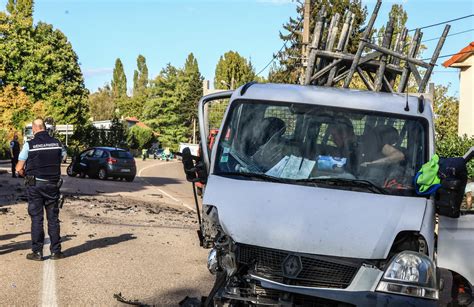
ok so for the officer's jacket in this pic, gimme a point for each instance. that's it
(44, 157)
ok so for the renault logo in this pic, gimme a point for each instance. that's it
(292, 266)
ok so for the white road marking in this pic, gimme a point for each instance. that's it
(48, 295)
(160, 190)
(153, 165)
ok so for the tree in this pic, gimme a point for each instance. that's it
(119, 81)
(232, 71)
(15, 109)
(130, 106)
(190, 91)
(101, 104)
(139, 137)
(289, 59)
(42, 60)
(162, 110)
(140, 77)
(117, 133)
(446, 109)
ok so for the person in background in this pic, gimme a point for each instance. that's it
(469, 193)
(14, 153)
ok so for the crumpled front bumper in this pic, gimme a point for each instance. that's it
(361, 292)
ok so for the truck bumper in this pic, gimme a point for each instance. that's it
(361, 292)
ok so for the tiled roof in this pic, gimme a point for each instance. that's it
(461, 55)
(132, 119)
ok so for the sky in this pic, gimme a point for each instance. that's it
(166, 31)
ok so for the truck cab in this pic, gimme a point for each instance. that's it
(310, 199)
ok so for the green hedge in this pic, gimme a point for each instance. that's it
(455, 146)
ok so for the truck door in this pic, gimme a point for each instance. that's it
(456, 238)
(456, 244)
(211, 113)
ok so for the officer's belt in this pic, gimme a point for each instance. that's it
(44, 181)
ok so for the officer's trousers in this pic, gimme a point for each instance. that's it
(44, 197)
(14, 161)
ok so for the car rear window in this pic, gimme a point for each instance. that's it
(120, 154)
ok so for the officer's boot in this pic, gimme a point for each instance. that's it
(37, 256)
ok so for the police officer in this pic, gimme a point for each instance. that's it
(40, 163)
(14, 152)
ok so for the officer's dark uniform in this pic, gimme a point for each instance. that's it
(15, 146)
(44, 163)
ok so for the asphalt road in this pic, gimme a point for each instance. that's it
(138, 239)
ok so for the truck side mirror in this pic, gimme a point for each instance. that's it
(453, 174)
(194, 168)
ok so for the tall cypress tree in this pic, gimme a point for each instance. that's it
(232, 71)
(119, 81)
(190, 88)
(140, 77)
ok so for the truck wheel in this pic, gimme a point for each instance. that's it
(102, 174)
(129, 179)
(70, 172)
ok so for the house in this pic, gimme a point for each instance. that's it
(132, 121)
(464, 60)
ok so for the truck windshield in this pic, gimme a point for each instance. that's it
(323, 146)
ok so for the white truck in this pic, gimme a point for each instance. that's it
(303, 206)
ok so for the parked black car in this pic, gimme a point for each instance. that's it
(103, 162)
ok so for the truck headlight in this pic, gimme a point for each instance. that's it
(212, 262)
(410, 273)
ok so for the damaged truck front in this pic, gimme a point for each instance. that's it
(310, 200)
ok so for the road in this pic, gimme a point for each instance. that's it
(138, 239)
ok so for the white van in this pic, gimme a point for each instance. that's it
(310, 200)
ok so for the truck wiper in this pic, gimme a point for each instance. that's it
(359, 183)
(257, 176)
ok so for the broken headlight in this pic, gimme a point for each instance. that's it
(410, 273)
(222, 256)
(212, 262)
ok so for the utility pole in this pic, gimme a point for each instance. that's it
(305, 45)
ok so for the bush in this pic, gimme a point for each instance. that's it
(139, 138)
(4, 145)
(456, 146)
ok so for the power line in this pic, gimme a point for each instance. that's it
(281, 49)
(457, 33)
(273, 59)
(432, 25)
(449, 55)
(442, 23)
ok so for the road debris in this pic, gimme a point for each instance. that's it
(4, 210)
(121, 299)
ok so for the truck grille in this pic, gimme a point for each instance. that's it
(316, 271)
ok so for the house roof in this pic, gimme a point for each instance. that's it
(142, 125)
(461, 55)
(132, 119)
